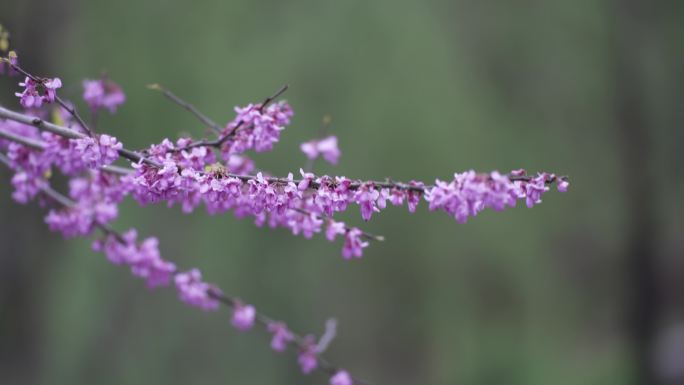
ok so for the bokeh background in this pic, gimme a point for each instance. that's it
(586, 288)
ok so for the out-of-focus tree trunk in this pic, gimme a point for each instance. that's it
(643, 298)
(25, 245)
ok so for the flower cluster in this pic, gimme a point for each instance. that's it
(143, 258)
(103, 93)
(469, 193)
(37, 92)
(326, 147)
(32, 172)
(255, 127)
(73, 156)
(96, 198)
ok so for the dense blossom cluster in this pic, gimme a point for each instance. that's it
(219, 176)
(256, 127)
(73, 156)
(469, 193)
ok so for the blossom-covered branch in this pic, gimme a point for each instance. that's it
(219, 175)
(192, 177)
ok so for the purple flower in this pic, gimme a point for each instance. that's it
(281, 336)
(306, 180)
(563, 185)
(413, 196)
(243, 316)
(240, 164)
(366, 196)
(26, 187)
(534, 189)
(307, 358)
(353, 245)
(36, 93)
(334, 229)
(195, 292)
(341, 377)
(327, 147)
(103, 93)
(309, 149)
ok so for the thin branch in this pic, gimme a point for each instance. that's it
(174, 98)
(28, 142)
(74, 113)
(273, 97)
(68, 133)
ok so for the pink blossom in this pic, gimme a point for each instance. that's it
(195, 292)
(103, 93)
(341, 377)
(353, 244)
(243, 316)
(334, 229)
(281, 336)
(366, 196)
(327, 147)
(307, 358)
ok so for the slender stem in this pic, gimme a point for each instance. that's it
(94, 118)
(28, 142)
(74, 113)
(174, 98)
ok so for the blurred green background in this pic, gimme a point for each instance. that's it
(583, 289)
